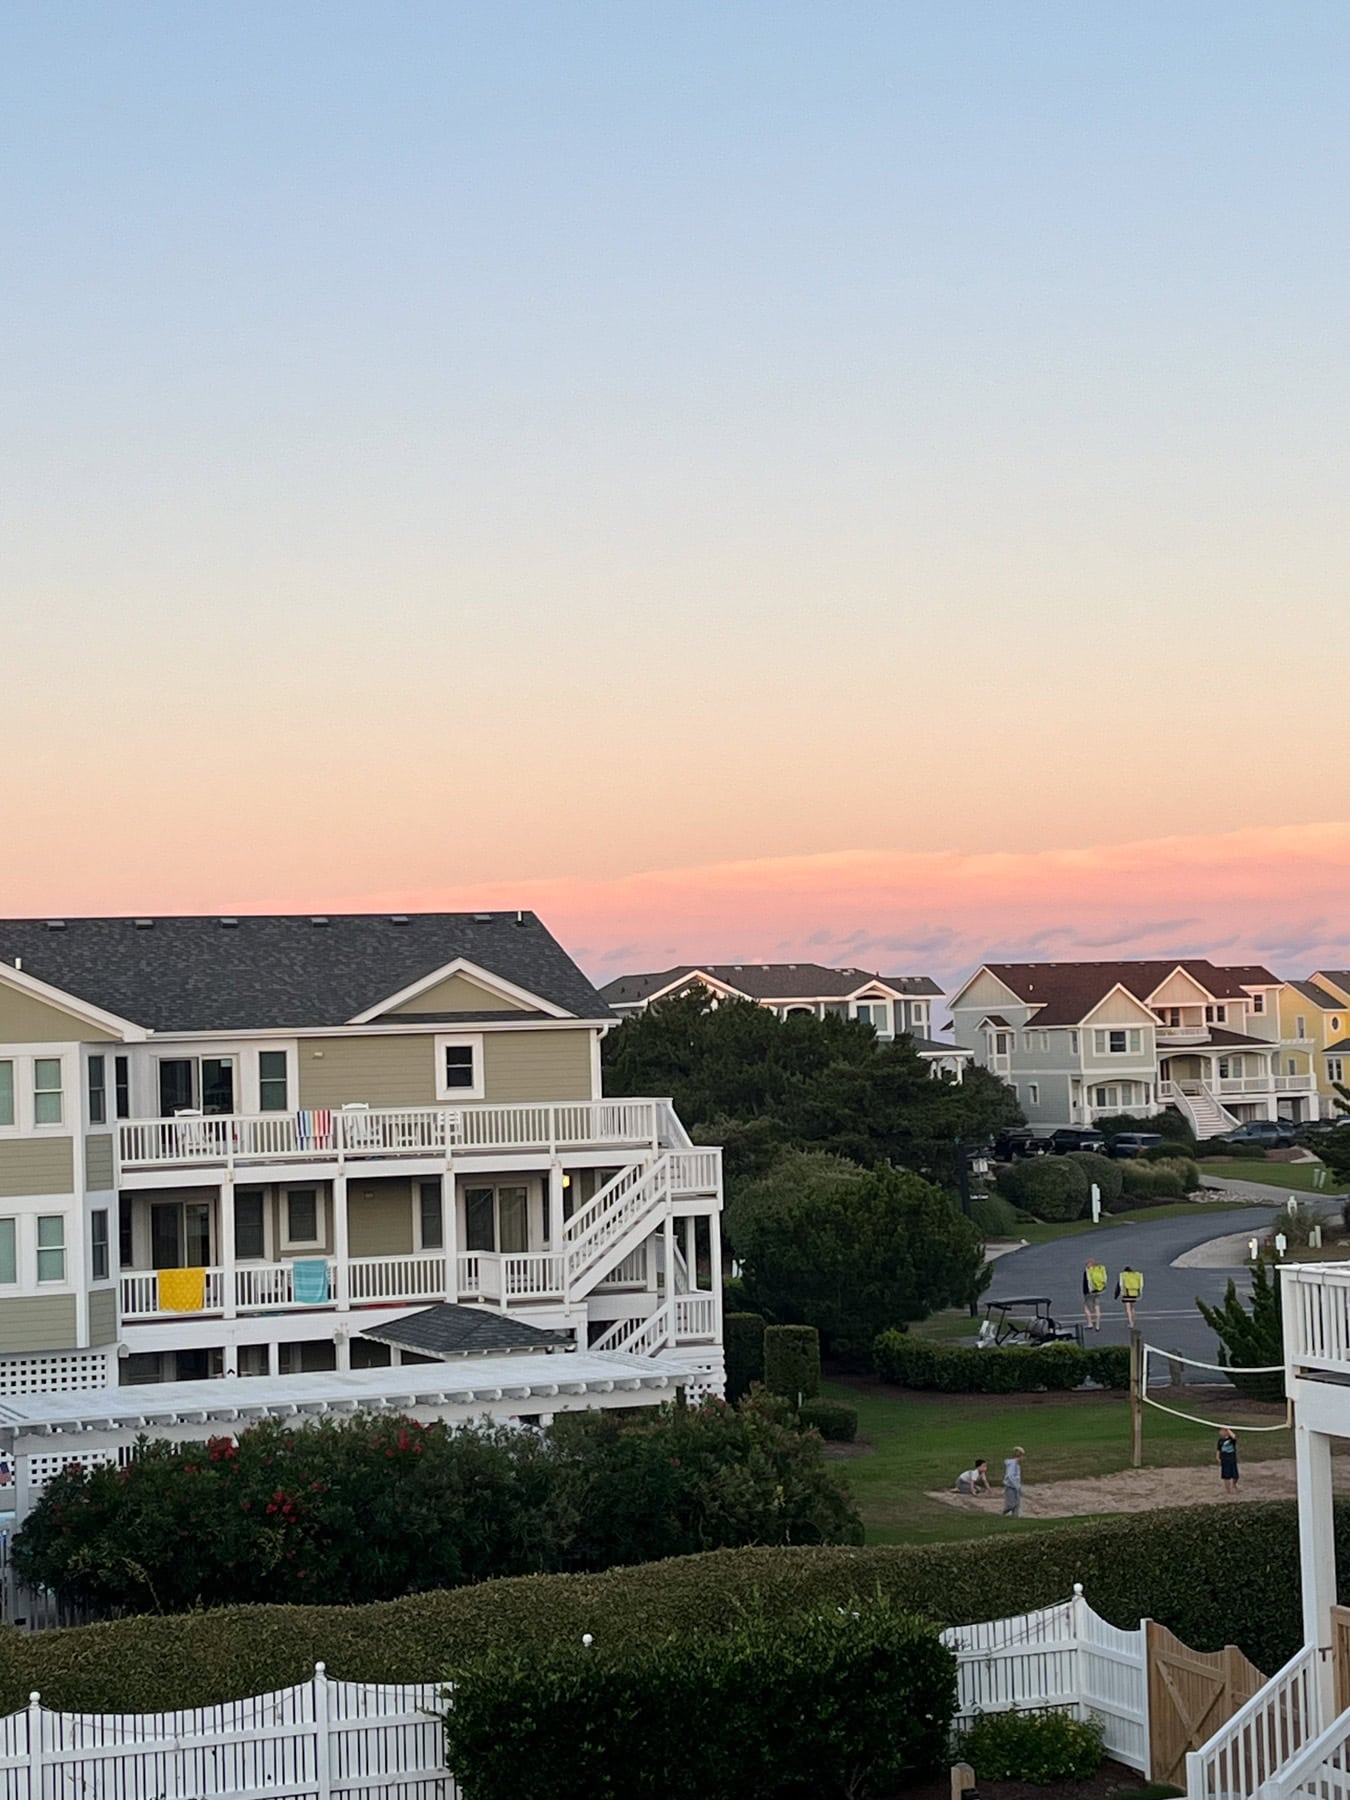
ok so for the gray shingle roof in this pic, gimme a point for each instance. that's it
(270, 971)
(1319, 996)
(447, 1330)
(767, 981)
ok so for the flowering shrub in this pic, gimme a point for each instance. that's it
(377, 1506)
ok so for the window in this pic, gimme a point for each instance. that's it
(47, 1091)
(122, 1086)
(1300, 1026)
(874, 1013)
(191, 1084)
(1115, 1043)
(98, 1245)
(459, 1068)
(1336, 1026)
(497, 1218)
(1223, 1068)
(1003, 1042)
(51, 1253)
(98, 1091)
(1258, 1003)
(1293, 1067)
(9, 1252)
(126, 1239)
(250, 1236)
(1026, 1041)
(6, 1093)
(1033, 1094)
(1045, 1040)
(1335, 1066)
(302, 1219)
(430, 1219)
(272, 1095)
(1073, 1043)
(1221, 1014)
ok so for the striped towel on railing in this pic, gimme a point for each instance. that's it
(309, 1281)
(315, 1129)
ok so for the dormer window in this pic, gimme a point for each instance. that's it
(1258, 1003)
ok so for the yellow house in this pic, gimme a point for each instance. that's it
(1316, 1013)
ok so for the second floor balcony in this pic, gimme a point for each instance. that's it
(374, 1133)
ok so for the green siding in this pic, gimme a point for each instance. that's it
(98, 1161)
(382, 1071)
(26, 1020)
(39, 1322)
(102, 1316)
(379, 1218)
(37, 1166)
(537, 1065)
(460, 994)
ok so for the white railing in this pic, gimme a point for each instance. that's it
(1321, 1771)
(140, 1295)
(528, 1275)
(1294, 1084)
(691, 1319)
(1262, 1737)
(1179, 1034)
(396, 1278)
(620, 1207)
(695, 1317)
(695, 1171)
(631, 1272)
(320, 1741)
(361, 1131)
(264, 1287)
(1062, 1657)
(1317, 1317)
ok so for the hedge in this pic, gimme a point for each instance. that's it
(1053, 1188)
(836, 1703)
(1174, 1566)
(1103, 1172)
(995, 1216)
(743, 1346)
(792, 1362)
(915, 1362)
(836, 1423)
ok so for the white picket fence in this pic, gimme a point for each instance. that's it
(1063, 1656)
(325, 1740)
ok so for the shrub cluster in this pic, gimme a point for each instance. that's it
(839, 1702)
(1157, 1183)
(1103, 1172)
(1216, 1147)
(1053, 1188)
(743, 1346)
(995, 1216)
(914, 1362)
(1171, 1126)
(836, 1423)
(1173, 1566)
(373, 1507)
(1032, 1746)
(792, 1362)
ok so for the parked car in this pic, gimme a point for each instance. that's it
(1073, 1137)
(1314, 1128)
(1017, 1141)
(1270, 1134)
(1133, 1143)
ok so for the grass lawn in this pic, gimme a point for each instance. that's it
(918, 1442)
(1035, 1231)
(1294, 1178)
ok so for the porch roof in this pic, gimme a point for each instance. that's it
(477, 1382)
(1216, 1038)
(451, 1332)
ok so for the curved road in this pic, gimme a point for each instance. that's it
(1167, 1315)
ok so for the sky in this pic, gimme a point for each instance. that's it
(756, 479)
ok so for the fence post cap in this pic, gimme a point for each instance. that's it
(587, 1640)
(34, 1697)
(1078, 1590)
(319, 1668)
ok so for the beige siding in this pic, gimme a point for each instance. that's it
(537, 1065)
(379, 1218)
(1120, 1009)
(102, 1316)
(26, 1020)
(38, 1323)
(98, 1161)
(1179, 990)
(461, 994)
(989, 992)
(37, 1166)
(382, 1071)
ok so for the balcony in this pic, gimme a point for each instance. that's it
(365, 1134)
(1317, 1321)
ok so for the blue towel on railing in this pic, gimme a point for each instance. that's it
(309, 1281)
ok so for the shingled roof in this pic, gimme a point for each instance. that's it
(269, 971)
(767, 981)
(1066, 993)
(447, 1330)
(1319, 996)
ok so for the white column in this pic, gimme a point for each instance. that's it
(226, 1249)
(668, 1228)
(715, 1272)
(450, 1234)
(230, 1355)
(273, 1357)
(1317, 1553)
(340, 1251)
(555, 1207)
(342, 1345)
(691, 1253)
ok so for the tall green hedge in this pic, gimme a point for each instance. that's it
(836, 1704)
(1048, 1187)
(792, 1362)
(743, 1346)
(1213, 1577)
(921, 1363)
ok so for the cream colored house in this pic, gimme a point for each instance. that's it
(228, 1146)
(1082, 1041)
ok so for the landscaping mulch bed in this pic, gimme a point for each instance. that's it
(1111, 1778)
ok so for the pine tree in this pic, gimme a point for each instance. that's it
(1254, 1339)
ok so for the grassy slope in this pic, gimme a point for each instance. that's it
(923, 1441)
(1294, 1178)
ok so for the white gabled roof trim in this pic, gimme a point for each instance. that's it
(71, 1003)
(984, 969)
(474, 972)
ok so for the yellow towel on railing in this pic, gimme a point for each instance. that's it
(182, 1290)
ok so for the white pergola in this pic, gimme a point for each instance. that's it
(42, 1433)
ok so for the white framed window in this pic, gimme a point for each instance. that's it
(430, 1216)
(459, 1068)
(9, 1252)
(302, 1219)
(1117, 1043)
(1293, 1066)
(273, 1086)
(1335, 1072)
(47, 1090)
(1224, 1068)
(1073, 1043)
(1258, 1003)
(122, 1086)
(98, 1090)
(1301, 1026)
(1003, 1043)
(98, 1245)
(51, 1247)
(250, 1225)
(1033, 1094)
(7, 1117)
(1026, 1042)
(876, 1013)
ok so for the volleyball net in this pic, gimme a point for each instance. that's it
(1171, 1358)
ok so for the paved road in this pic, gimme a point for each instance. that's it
(1167, 1315)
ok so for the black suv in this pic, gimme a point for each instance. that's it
(1271, 1134)
(1072, 1137)
(1017, 1141)
(1134, 1143)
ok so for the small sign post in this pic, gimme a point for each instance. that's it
(1096, 1204)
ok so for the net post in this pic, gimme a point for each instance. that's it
(1136, 1401)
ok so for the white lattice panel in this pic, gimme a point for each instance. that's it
(71, 1372)
(42, 1467)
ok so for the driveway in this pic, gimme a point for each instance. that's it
(1167, 1315)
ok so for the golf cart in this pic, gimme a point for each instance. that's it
(1024, 1322)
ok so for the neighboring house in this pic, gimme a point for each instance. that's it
(1080, 1041)
(231, 1146)
(893, 1005)
(1316, 1013)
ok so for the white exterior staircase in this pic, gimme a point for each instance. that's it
(598, 1237)
(688, 1318)
(1207, 1115)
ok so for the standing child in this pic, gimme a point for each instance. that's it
(1227, 1455)
(1094, 1286)
(1012, 1483)
(1129, 1288)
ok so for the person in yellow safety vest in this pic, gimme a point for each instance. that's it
(1129, 1288)
(1094, 1286)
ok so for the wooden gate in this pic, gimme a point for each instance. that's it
(1190, 1694)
